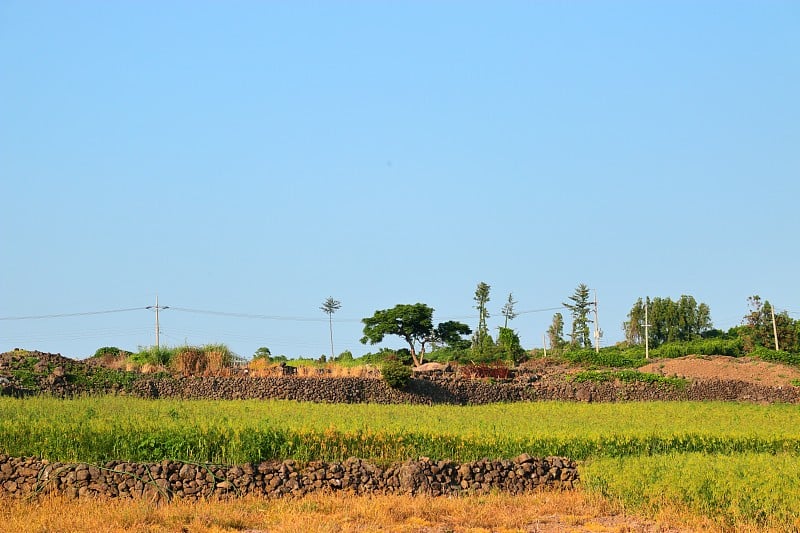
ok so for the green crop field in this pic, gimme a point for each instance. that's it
(735, 462)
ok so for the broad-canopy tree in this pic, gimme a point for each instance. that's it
(670, 321)
(414, 324)
(757, 328)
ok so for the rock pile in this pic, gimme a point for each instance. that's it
(24, 477)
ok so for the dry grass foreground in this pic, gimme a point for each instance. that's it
(573, 511)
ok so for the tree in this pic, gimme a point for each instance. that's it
(509, 343)
(414, 324)
(330, 306)
(263, 353)
(555, 333)
(758, 327)
(508, 309)
(481, 299)
(580, 308)
(670, 321)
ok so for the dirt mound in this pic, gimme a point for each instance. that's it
(705, 368)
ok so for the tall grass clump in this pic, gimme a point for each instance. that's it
(160, 356)
(209, 359)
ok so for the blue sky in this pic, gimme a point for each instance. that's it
(258, 157)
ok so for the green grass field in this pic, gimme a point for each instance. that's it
(735, 462)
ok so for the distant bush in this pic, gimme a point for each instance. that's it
(109, 352)
(776, 356)
(626, 376)
(611, 356)
(395, 373)
(161, 356)
(716, 346)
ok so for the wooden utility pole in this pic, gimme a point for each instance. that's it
(646, 334)
(774, 326)
(596, 326)
(544, 343)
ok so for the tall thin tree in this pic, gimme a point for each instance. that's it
(508, 309)
(330, 306)
(481, 299)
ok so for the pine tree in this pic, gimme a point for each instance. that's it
(580, 307)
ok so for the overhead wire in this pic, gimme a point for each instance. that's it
(64, 315)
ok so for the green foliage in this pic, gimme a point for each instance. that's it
(580, 307)
(108, 352)
(263, 353)
(509, 346)
(670, 321)
(773, 356)
(729, 347)
(161, 356)
(758, 329)
(414, 324)
(627, 376)
(482, 331)
(555, 334)
(611, 356)
(395, 373)
(344, 357)
(508, 309)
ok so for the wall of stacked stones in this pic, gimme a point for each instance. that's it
(452, 391)
(27, 477)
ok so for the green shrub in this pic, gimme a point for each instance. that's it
(776, 356)
(395, 373)
(608, 357)
(671, 350)
(626, 376)
(161, 356)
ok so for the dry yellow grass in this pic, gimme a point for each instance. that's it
(538, 512)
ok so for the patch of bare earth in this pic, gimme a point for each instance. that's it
(705, 367)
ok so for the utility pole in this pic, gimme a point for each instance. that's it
(544, 343)
(646, 333)
(774, 326)
(596, 326)
(158, 329)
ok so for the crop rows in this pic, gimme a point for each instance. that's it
(100, 429)
(735, 463)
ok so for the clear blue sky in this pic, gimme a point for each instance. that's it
(258, 157)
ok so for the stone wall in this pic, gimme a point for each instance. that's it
(26, 477)
(437, 390)
(333, 390)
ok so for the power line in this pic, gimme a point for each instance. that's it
(248, 315)
(63, 315)
(541, 310)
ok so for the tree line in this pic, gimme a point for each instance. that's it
(657, 320)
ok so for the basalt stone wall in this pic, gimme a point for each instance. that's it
(437, 390)
(334, 390)
(719, 390)
(26, 477)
